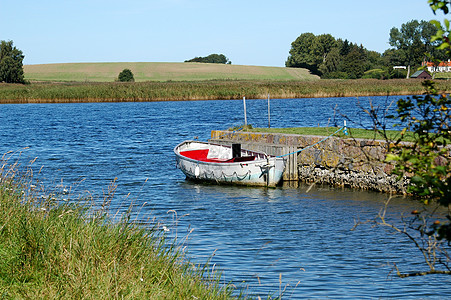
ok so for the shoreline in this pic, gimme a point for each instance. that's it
(81, 92)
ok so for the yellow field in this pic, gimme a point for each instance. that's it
(156, 71)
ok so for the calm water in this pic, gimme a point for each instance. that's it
(256, 235)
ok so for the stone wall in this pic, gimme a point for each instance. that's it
(354, 163)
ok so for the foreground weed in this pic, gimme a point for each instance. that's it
(66, 250)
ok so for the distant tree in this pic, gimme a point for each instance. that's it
(324, 43)
(414, 40)
(126, 76)
(11, 66)
(332, 62)
(354, 62)
(331, 58)
(345, 47)
(310, 51)
(374, 59)
(212, 59)
(393, 57)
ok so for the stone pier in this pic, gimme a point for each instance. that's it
(354, 163)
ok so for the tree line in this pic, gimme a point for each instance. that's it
(212, 59)
(324, 55)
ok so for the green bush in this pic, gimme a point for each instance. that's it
(376, 74)
(126, 76)
(398, 73)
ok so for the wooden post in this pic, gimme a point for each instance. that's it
(269, 114)
(245, 116)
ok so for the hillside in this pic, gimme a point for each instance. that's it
(156, 71)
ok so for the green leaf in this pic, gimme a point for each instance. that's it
(391, 157)
(443, 46)
(441, 169)
(436, 24)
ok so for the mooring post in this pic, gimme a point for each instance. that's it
(269, 114)
(245, 116)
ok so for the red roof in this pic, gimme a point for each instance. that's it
(441, 64)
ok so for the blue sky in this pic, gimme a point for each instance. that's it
(248, 32)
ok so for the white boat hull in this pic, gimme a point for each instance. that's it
(264, 170)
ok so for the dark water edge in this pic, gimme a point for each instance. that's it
(256, 235)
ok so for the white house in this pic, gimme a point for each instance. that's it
(443, 66)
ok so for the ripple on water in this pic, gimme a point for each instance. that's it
(255, 235)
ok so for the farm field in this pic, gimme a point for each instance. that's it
(160, 71)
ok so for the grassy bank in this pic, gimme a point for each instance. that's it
(51, 250)
(160, 71)
(206, 90)
(357, 133)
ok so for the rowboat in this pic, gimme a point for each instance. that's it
(202, 161)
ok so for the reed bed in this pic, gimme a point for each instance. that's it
(50, 248)
(207, 90)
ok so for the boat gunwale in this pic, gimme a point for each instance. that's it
(177, 152)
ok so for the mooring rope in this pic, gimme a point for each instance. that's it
(310, 146)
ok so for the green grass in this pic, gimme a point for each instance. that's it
(326, 131)
(159, 71)
(50, 249)
(443, 75)
(357, 133)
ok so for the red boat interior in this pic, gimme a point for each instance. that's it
(202, 154)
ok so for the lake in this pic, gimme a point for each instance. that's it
(291, 238)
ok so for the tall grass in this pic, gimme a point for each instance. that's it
(50, 249)
(206, 90)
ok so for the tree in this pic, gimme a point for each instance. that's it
(310, 51)
(11, 66)
(212, 59)
(374, 59)
(422, 154)
(426, 160)
(126, 75)
(354, 62)
(331, 58)
(393, 57)
(332, 62)
(345, 47)
(414, 40)
(323, 44)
